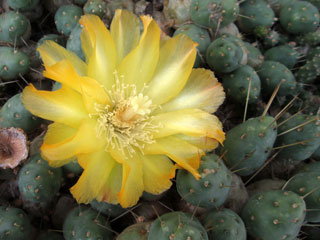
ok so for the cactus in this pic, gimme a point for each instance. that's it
(198, 35)
(177, 12)
(225, 55)
(177, 226)
(85, 223)
(66, 18)
(14, 114)
(308, 184)
(214, 13)
(74, 41)
(13, 63)
(136, 231)
(224, 224)
(15, 28)
(274, 215)
(213, 187)
(255, 13)
(96, 7)
(255, 57)
(38, 182)
(284, 54)
(50, 236)
(248, 145)
(308, 73)
(299, 17)
(272, 73)
(119, 4)
(237, 83)
(23, 5)
(303, 131)
(107, 208)
(311, 39)
(14, 224)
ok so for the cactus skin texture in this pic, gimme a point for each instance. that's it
(299, 17)
(177, 226)
(96, 7)
(224, 224)
(14, 114)
(74, 41)
(276, 214)
(23, 5)
(308, 135)
(38, 182)
(255, 57)
(284, 54)
(14, 224)
(96, 225)
(112, 210)
(248, 145)
(66, 18)
(136, 231)
(213, 187)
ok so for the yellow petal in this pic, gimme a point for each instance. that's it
(125, 31)
(62, 106)
(111, 188)
(99, 49)
(193, 122)
(96, 173)
(176, 60)
(51, 53)
(157, 172)
(202, 91)
(205, 143)
(83, 141)
(139, 65)
(132, 177)
(184, 154)
(65, 73)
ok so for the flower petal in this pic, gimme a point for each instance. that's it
(51, 53)
(83, 141)
(139, 65)
(99, 49)
(184, 154)
(176, 60)
(96, 173)
(193, 122)
(202, 91)
(157, 172)
(125, 31)
(111, 188)
(62, 106)
(132, 177)
(205, 143)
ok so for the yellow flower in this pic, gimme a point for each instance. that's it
(129, 112)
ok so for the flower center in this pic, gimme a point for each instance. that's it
(127, 125)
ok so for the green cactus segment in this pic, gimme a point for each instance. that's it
(274, 215)
(284, 54)
(66, 18)
(272, 73)
(213, 187)
(198, 35)
(14, 114)
(308, 184)
(316, 155)
(23, 5)
(74, 42)
(308, 73)
(111, 210)
(13, 63)
(255, 57)
(214, 13)
(311, 167)
(15, 28)
(177, 11)
(119, 4)
(311, 39)
(38, 182)
(237, 84)
(96, 7)
(177, 226)
(52, 37)
(303, 133)
(299, 17)
(14, 224)
(136, 231)
(50, 236)
(85, 223)
(277, 5)
(224, 225)
(313, 52)
(224, 55)
(248, 145)
(255, 13)
(73, 167)
(315, 3)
